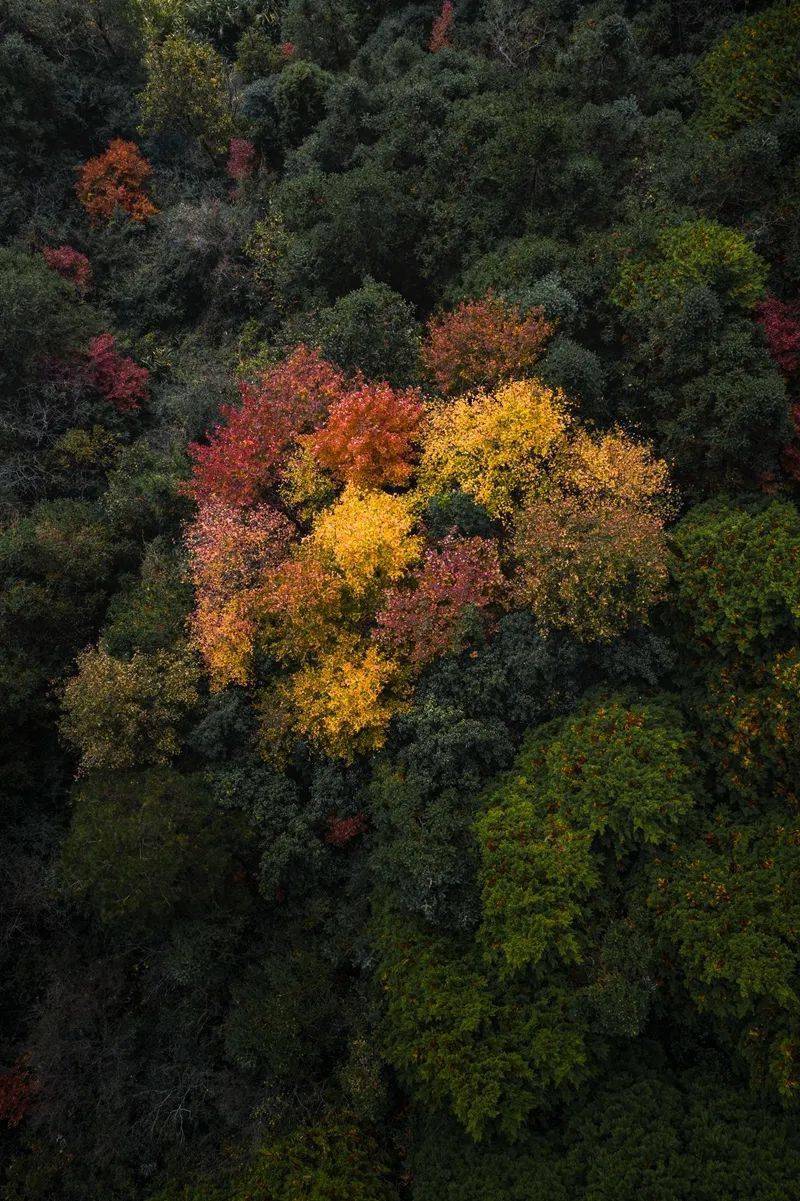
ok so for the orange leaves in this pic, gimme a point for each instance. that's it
(369, 436)
(483, 342)
(231, 554)
(442, 30)
(116, 179)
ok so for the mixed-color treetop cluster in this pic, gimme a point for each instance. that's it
(400, 600)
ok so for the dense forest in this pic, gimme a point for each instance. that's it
(400, 600)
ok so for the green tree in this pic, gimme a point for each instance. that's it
(188, 88)
(146, 846)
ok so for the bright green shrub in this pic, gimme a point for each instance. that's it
(735, 573)
(617, 770)
(695, 253)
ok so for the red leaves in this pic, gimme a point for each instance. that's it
(116, 179)
(18, 1089)
(417, 626)
(483, 342)
(369, 436)
(342, 830)
(70, 264)
(781, 325)
(244, 454)
(231, 550)
(241, 159)
(442, 30)
(116, 377)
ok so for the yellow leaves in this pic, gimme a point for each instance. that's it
(368, 537)
(341, 703)
(224, 635)
(615, 468)
(494, 446)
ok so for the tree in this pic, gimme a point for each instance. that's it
(244, 455)
(751, 720)
(341, 703)
(70, 264)
(116, 179)
(123, 714)
(747, 73)
(457, 581)
(495, 446)
(647, 1128)
(483, 343)
(373, 330)
(301, 91)
(150, 610)
(781, 325)
(144, 846)
(442, 30)
(589, 566)
(370, 436)
(459, 1040)
(119, 380)
(42, 317)
(188, 88)
(232, 554)
(618, 771)
(725, 904)
(367, 537)
(734, 573)
(694, 253)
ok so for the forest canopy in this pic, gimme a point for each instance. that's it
(400, 600)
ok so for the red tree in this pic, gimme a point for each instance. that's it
(241, 159)
(441, 33)
(242, 459)
(342, 830)
(483, 342)
(116, 179)
(781, 325)
(418, 625)
(70, 264)
(115, 376)
(369, 436)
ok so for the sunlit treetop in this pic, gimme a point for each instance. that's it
(368, 537)
(370, 436)
(116, 179)
(494, 446)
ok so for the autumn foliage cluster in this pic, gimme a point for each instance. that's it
(399, 600)
(310, 546)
